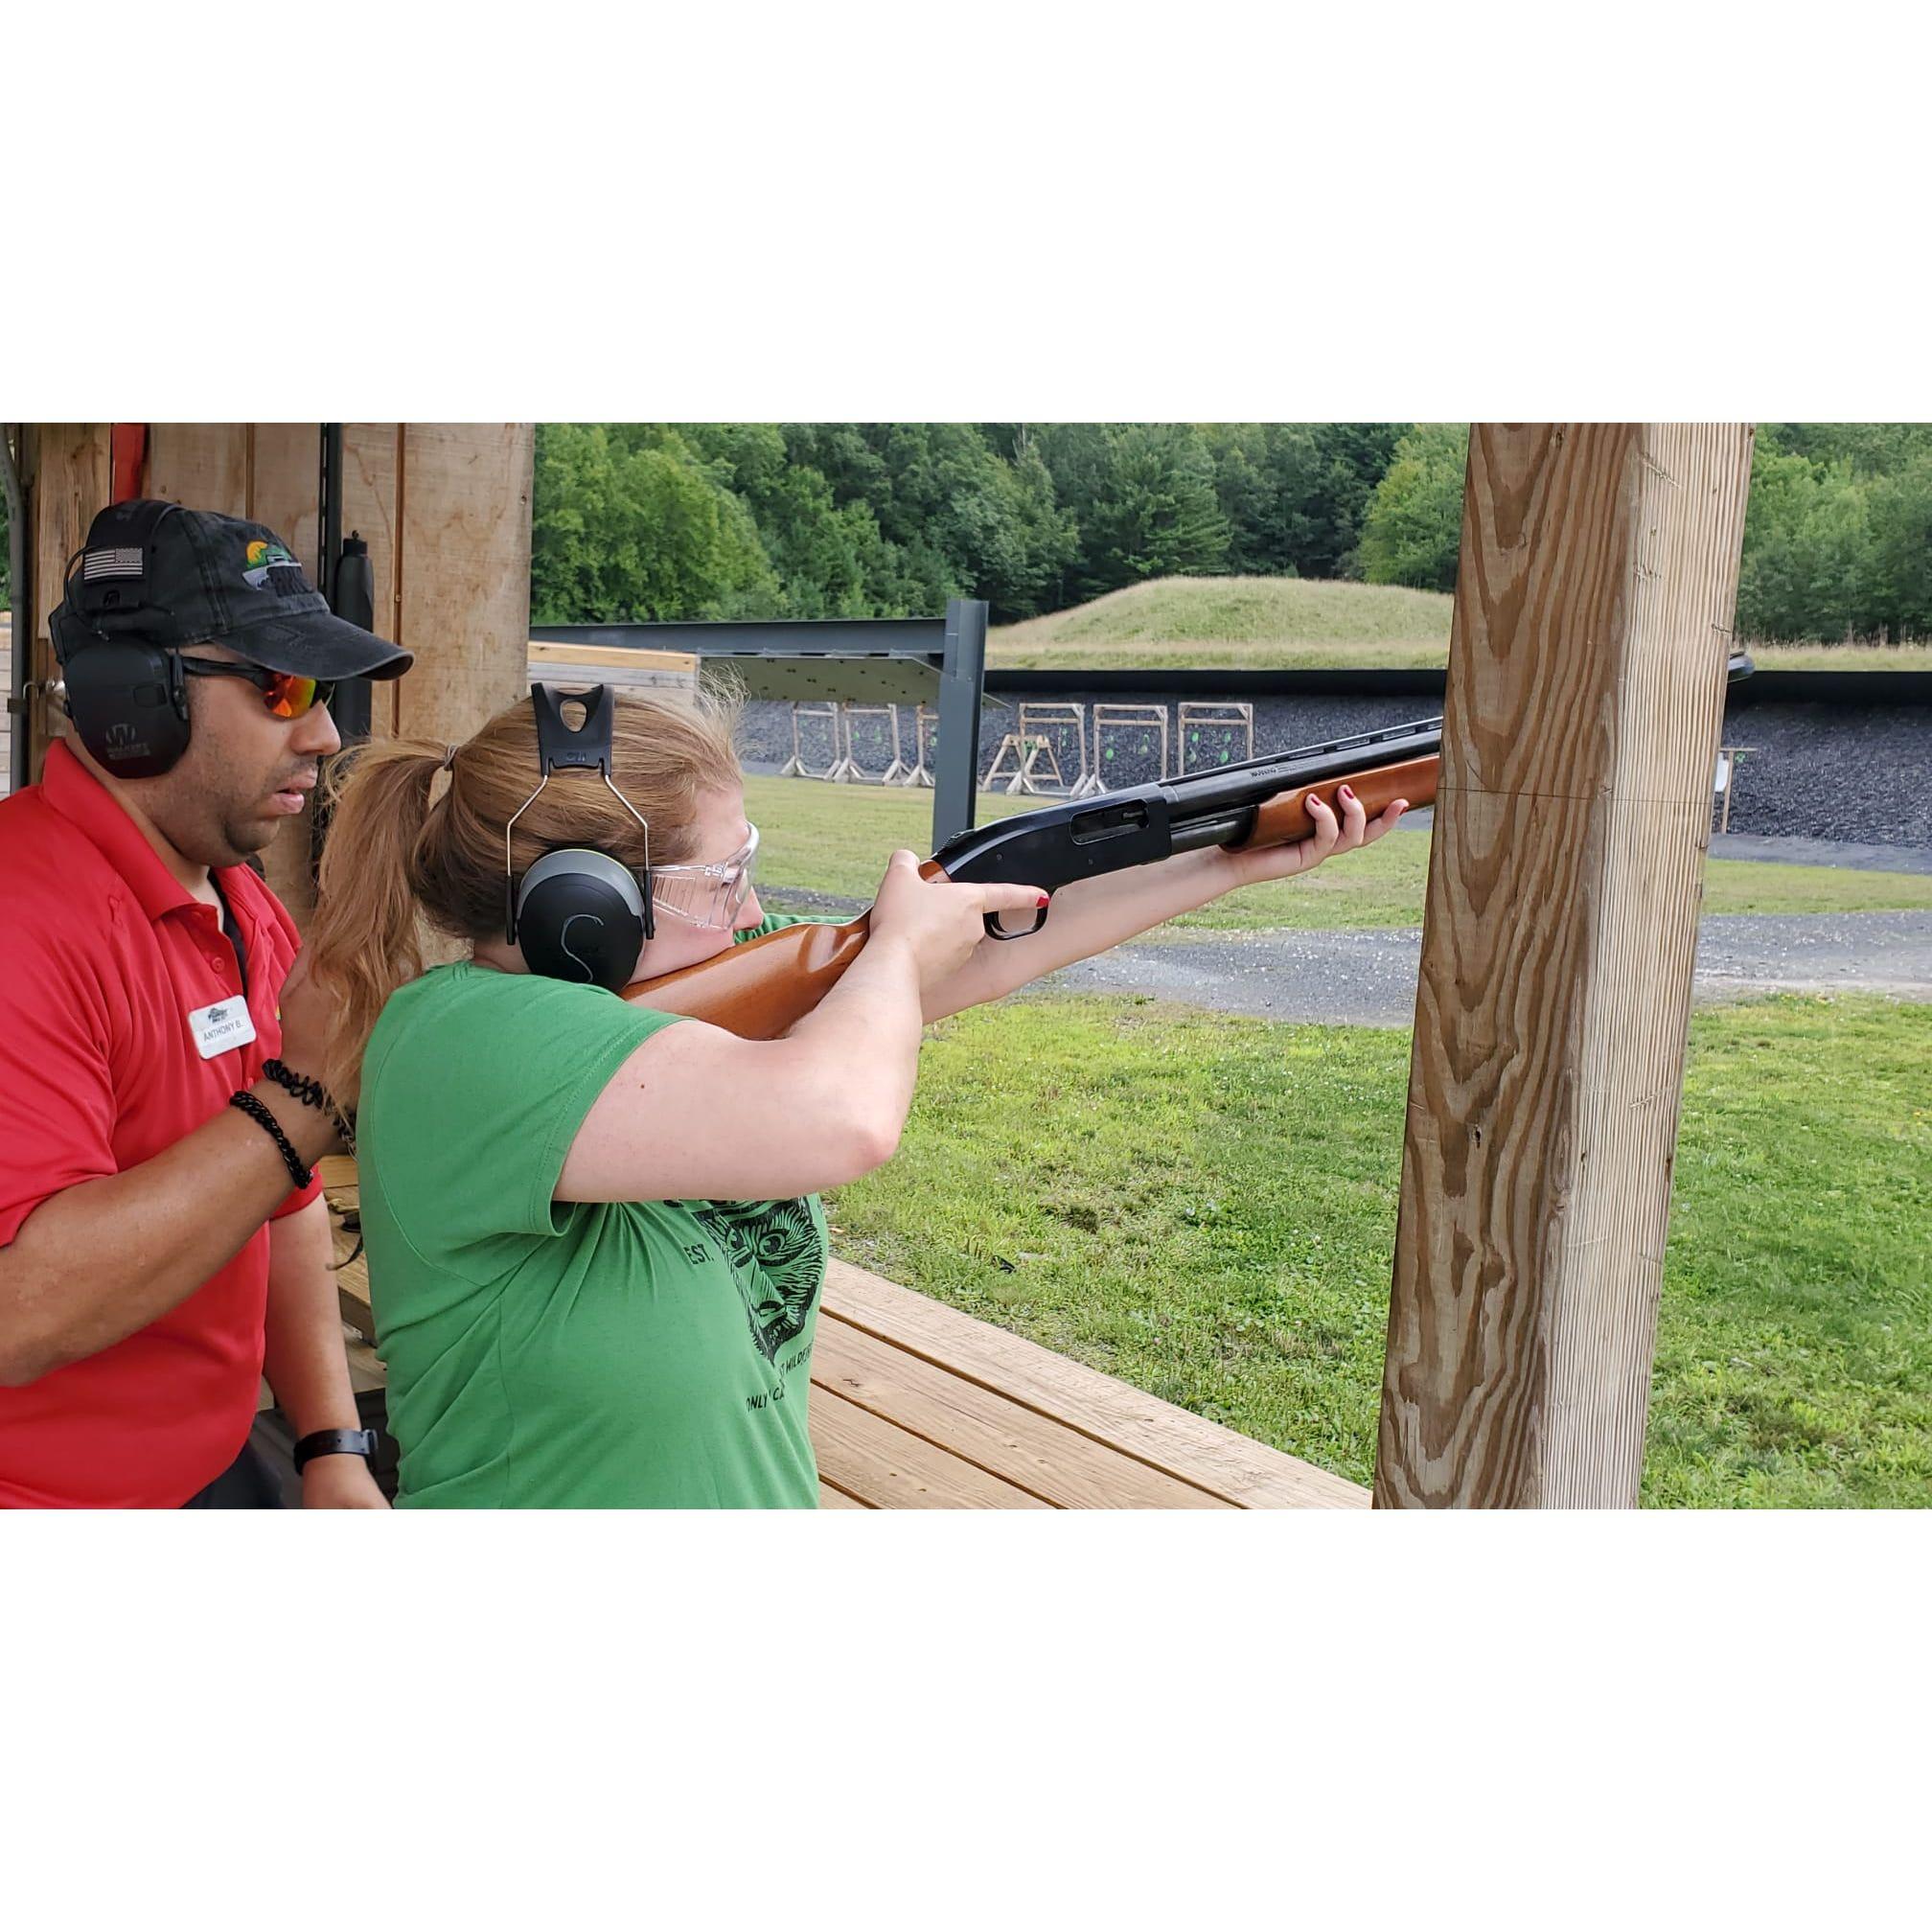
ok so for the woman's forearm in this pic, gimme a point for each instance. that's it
(303, 1354)
(864, 1037)
(1087, 917)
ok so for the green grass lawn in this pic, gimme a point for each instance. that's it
(1386, 885)
(1291, 623)
(1205, 1206)
(836, 838)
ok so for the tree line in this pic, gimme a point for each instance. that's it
(640, 521)
(1837, 527)
(644, 521)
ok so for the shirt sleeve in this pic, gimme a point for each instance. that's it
(57, 1081)
(469, 1110)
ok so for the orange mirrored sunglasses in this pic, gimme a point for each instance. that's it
(282, 693)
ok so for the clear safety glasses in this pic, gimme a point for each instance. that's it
(707, 895)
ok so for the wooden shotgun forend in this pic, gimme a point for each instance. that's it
(1284, 818)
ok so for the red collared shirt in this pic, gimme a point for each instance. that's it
(104, 956)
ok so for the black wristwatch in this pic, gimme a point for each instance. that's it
(335, 1442)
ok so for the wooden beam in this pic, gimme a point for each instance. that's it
(372, 506)
(284, 488)
(463, 575)
(203, 464)
(1586, 679)
(66, 476)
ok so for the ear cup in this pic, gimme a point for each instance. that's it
(129, 705)
(580, 917)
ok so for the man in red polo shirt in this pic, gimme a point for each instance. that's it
(163, 1243)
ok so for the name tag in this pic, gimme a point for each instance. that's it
(217, 1029)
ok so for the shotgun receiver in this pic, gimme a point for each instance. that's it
(760, 988)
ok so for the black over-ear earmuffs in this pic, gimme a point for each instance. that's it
(126, 696)
(578, 913)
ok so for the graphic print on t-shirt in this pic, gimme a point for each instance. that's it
(777, 1259)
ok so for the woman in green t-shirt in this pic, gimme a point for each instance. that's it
(595, 1244)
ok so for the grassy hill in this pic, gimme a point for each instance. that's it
(1291, 623)
(1232, 623)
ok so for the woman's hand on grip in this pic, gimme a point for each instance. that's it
(939, 923)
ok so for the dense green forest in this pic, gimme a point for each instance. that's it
(641, 520)
(652, 520)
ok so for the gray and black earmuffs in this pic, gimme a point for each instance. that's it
(577, 912)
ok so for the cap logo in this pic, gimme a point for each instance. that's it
(270, 567)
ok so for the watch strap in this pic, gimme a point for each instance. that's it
(335, 1442)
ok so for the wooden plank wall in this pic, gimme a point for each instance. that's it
(462, 594)
(372, 473)
(65, 477)
(444, 509)
(1587, 661)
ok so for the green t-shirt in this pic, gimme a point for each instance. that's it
(550, 1354)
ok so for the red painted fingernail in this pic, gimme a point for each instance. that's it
(1348, 792)
(1041, 900)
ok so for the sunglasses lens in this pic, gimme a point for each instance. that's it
(290, 697)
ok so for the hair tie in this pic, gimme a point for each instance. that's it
(450, 758)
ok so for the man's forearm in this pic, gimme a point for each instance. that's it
(98, 1261)
(1087, 917)
(304, 1358)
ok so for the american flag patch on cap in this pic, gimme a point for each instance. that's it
(111, 563)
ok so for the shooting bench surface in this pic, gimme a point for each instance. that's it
(915, 1406)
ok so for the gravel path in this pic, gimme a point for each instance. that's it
(1369, 978)
(1819, 852)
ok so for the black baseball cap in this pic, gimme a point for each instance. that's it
(171, 577)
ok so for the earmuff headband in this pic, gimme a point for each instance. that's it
(577, 886)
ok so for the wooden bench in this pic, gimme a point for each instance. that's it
(915, 1406)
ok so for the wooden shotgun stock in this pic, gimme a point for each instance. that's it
(762, 987)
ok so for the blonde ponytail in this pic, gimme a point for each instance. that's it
(367, 937)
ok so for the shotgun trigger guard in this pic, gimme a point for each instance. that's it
(993, 931)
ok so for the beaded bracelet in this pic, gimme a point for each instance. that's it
(300, 1175)
(312, 1093)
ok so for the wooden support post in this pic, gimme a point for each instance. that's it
(1586, 680)
(65, 472)
(463, 575)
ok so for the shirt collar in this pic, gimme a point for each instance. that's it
(85, 802)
